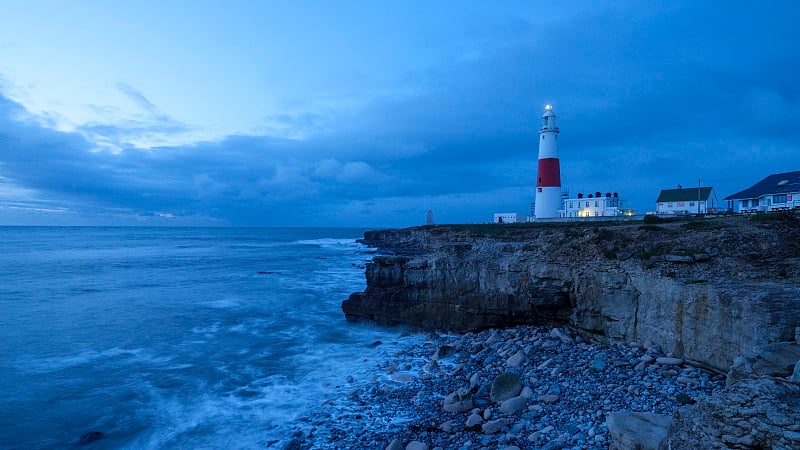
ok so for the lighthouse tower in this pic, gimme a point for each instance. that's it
(548, 178)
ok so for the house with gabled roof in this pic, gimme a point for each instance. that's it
(682, 201)
(780, 191)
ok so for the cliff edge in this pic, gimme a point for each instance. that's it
(706, 290)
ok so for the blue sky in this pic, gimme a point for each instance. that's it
(370, 113)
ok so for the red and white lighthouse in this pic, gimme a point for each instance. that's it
(548, 178)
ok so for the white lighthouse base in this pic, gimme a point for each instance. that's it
(548, 202)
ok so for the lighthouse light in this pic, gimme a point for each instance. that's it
(548, 107)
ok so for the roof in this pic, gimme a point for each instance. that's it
(774, 184)
(684, 195)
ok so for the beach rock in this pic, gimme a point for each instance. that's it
(637, 430)
(457, 402)
(560, 335)
(751, 413)
(495, 426)
(599, 361)
(396, 444)
(526, 392)
(513, 405)
(548, 398)
(447, 426)
(505, 386)
(473, 420)
(777, 359)
(516, 359)
(740, 370)
(667, 361)
(444, 352)
(796, 374)
(416, 445)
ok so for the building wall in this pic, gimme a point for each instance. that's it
(688, 207)
(769, 202)
(590, 207)
(506, 218)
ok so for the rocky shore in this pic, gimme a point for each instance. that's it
(521, 387)
(667, 335)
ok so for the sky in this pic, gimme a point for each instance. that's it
(369, 113)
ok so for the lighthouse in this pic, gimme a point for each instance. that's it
(548, 178)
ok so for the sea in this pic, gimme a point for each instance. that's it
(135, 337)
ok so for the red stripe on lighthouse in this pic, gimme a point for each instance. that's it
(549, 173)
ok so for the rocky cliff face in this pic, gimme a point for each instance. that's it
(706, 290)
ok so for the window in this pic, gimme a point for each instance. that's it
(596, 203)
(779, 198)
(669, 205)
(542, 137)
(691, 203)
(587, 204)
(745, 203)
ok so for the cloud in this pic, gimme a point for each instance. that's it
(647, 98)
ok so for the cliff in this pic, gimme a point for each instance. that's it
(706, 290)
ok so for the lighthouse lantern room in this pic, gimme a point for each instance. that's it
(548, 177)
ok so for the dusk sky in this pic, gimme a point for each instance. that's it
(368, 113)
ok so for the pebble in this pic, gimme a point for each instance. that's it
(416, 445)
(668, 361)
(477, 399)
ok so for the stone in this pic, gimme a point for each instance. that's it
(416, 445)
(505, 386)
(637, 430)
(516, 359)
(599, 361)
(444, 352)
(395, 445)
(447, 427)
(456, 402)
(740, 370)
(513, 405)
(495, 426)
(796, 374)
(797, 335)
(548, 398)
(526, 392)
(473, 420)
(679, 258)
(647, 359)
(641, 365)
(668, 361)
(563, 337)
(487, 413)
(511, 447)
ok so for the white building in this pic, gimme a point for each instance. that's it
(505, 217)
(593, 205)
(776, 192)
(682, 201)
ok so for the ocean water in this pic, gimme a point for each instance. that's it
(175, 337)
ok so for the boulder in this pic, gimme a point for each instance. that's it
(516, 359)
(513, 405)
(637, 430)
(495, 426)
(777, 359)
(505, 386)
(457, 402)
(395, 445)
